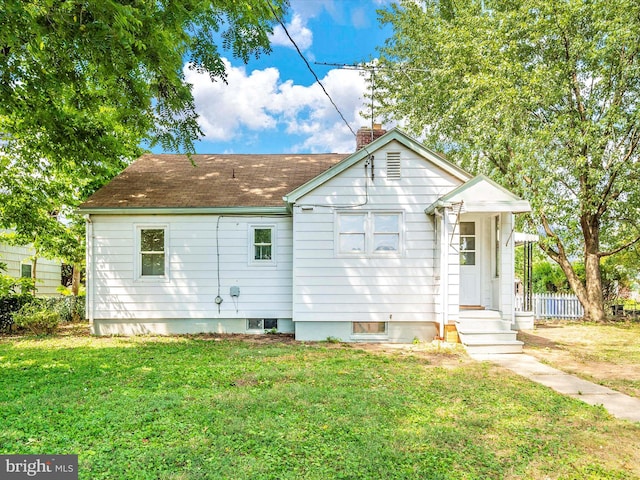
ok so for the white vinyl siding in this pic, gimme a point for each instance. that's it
(329, 286)
(191, 257)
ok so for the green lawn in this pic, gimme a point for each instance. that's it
(195, 408)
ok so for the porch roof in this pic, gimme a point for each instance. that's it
(481, 195)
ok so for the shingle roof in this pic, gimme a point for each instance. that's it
(172, 181)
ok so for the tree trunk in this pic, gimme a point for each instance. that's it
(34, 272)
(589, 293)
(75, 289)
(75, 279)
(594, 303)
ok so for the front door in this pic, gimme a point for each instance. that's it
(469, 264)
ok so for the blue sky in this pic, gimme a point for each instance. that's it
(272, 104)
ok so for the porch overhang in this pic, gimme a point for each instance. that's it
(516, 206)
(481, 195)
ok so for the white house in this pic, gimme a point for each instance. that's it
(390, 243)
(19, 263)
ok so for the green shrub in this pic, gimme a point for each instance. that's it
(39, 317)
(71, 308)
(9, 305)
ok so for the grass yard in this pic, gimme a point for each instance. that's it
(204, 407)
(608, 354)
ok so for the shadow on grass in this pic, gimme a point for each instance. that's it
(536, 341)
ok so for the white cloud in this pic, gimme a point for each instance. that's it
(298, 30)
(260, 103)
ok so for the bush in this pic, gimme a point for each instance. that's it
(71, 308)
(38, 316)
(9, 305)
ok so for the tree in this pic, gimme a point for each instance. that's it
(85, 83)
(542, 95)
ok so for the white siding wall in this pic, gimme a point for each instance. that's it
(328, 287)
(192, 286)
(48, 272)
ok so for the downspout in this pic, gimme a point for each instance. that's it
(89, 273)
(444, 270)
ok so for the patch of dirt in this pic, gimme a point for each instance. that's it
(447, 355)
(437, 354)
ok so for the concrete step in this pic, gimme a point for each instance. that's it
(496, 336)
(514, 346)
(484, 332)
(479, 314)
(483, 324)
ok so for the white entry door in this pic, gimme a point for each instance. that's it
(469, 264)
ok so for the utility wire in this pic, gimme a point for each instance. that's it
(310, 68)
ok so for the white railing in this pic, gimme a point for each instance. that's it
(553, 305)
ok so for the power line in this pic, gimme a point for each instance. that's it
(310, 68)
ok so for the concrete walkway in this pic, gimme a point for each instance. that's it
(618, 404)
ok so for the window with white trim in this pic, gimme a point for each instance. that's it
(151, 252)
(369, 233)
(262, 247)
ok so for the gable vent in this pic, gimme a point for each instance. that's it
(393, 165)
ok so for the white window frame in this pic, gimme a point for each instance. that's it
(369, 234)
(138, 253)
(272, 262)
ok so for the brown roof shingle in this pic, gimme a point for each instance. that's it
(172, 181)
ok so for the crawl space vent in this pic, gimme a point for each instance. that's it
(393, 165)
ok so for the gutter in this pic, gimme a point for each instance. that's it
(89, 269)
(184, 211)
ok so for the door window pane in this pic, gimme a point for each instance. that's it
(467, 243)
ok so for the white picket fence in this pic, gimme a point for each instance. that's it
(552, 305)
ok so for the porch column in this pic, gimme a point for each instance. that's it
(450, 265)
(507, 266)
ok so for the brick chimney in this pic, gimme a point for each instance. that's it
(366, 135)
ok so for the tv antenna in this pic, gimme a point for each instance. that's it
(365, 67)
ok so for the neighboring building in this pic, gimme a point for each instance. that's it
(19, 261)
(386, 244)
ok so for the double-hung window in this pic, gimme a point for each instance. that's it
(369, 233)
(262, 246)
(152, 252)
